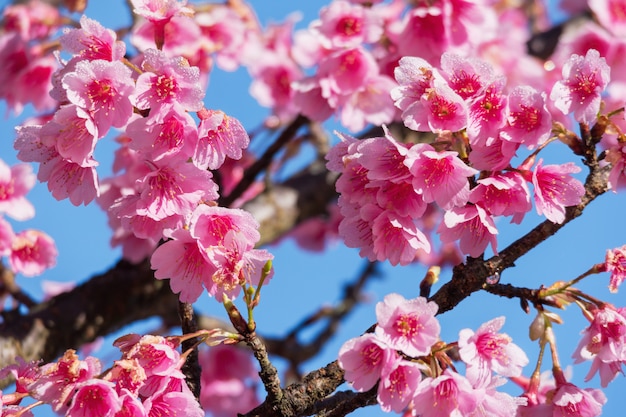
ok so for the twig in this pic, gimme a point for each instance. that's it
(191, 368)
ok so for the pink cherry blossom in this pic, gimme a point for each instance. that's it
(604, 343)
(343, 24)
(32, 20)
(610, 14)
(159, 10)
(397, 238)
(364, 359)
(93, 41)
(102, 88)
(210, 225)
(615, 263)
(495, 156)
(486, 350)
(32, 252)
(569, 400)
(415, 77)
(529, 121)
(398, 385)
(344, 72)
(228, 381)
(556, 189)
(94, 398)
(487, 114)
(495, 403)
(59, 379)
(439, 176)
(466, 76)
(174, 189)
(73, 134)
(451, 392)
(173, 403)
(472, 226)
(383, 157)
(220, 136)
(423, 34)
(167, 81)
(236, 265)
(584, 80)
(224, 34)
(439, 109)
(169, 134)
(370, 104)
(616, 156)
(15, 183)
(503, 194)
(183, 262)
(407, 325)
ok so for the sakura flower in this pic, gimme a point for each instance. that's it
(345, 72)
(414, 76)
(487, 114)
(224, 34)
(466, 76)
(220, 136)
(529, 121)
(174, 189)
(486, 350)
(439, 176)
(604, 343)
(556, 189)
(398, 385)
(158, 10)
(94, 397)
(615, 263)
(183, 262)
(472, 227)
(407, 325)
(15, 182)
(93, 41)
(167, 81)
(383, 157)
(451, 392)
(370, 104)
(397, 238)
(439, 109)
(364, 359)
(495, 403)
(503, 195)
(32, 252)
(569, 400)
(211, 224)
(343, 24)
(610, 15)
(102, 88)
(584, 80)
(228, 381)
(616, 156)
(59, 379)
(235, 265)
(173, 403)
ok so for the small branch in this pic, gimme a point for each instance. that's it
(264, 161)
(191, 368)
(268, 374)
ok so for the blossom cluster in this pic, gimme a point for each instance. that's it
(409, 362)
(29, 252)
(164, 186)
(146, 381)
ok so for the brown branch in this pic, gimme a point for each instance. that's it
(191, 367)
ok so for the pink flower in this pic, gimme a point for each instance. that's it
(529, 121)
(15, 183)
(556, 189)
(345, 72)
(73, 134)
(503, 195)
(495, 403)
(159, 10)
(167, 81)
(173, 189)
(67, 179)
(184, 263)
(415, 76)
(472, 226)
(342, 24)
(370, 104)
(584, 80)
(364, 359)
(93, 41)
(32, 252)
(451, 392)
(615, 263)
(211, 224)
(220, 136)
(487, 350)
(398, 385)
(59, 379)
(604, 343)
(173, 403)
(570, 400)
(466, 76)
(610, 13)
(616, 155)
(439, 176)
(102, 88)
(439, 109)
(397, 238)
(487, 114)
(229, 381)
(94, 398)
(407, 325)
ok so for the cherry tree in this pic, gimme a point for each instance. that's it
(449, 139)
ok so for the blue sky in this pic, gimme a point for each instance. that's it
(305, 280)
